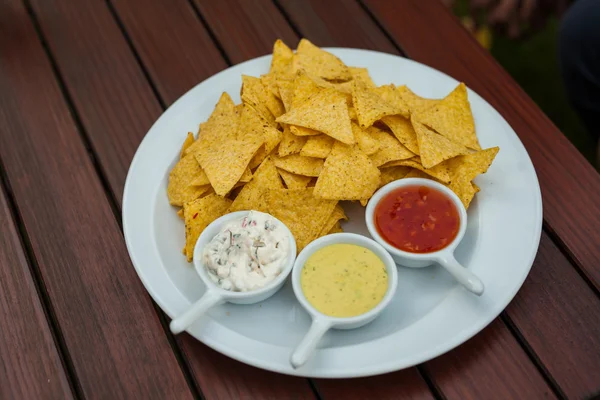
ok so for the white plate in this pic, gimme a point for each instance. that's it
(430, 313)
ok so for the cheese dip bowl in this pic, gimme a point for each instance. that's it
(346, 317)
(236, 266)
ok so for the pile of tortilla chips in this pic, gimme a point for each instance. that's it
(313, 132)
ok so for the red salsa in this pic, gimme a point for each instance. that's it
(417, 219)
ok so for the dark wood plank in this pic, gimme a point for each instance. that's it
(223, 378)
(177, 54)
(478, 369)
(254, 37)
(111, 95)
(428, 33)
(30, 364)
(319, 21)
(559, 315)
(175, 48)
(246, 29)
(113, 336)
(407, 384)
(338, 23)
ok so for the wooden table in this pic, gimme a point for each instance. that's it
(81, 82)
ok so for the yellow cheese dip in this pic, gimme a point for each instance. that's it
(344, 280)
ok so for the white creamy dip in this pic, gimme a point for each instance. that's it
(248, 253)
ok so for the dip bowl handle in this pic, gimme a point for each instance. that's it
(309, 342)
(210, 299)
(465, 277)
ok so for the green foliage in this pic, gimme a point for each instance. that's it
(533, 63)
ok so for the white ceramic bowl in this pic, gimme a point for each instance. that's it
(444, 257)
(321, 323)
(215, 295)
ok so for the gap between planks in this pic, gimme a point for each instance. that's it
(110, 198)
(40, 288)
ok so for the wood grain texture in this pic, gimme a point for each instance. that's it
(110, 93)
(30, 364)
(246, 29)
(252, 38)
(176, 52)
(174, 46)
(337, 23)
(223, 378)
(407, 384)
(114, 339)
(570, 185)
(478, 369)
(366, 35)
(559, 315)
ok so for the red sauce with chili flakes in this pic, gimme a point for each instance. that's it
(417, 219)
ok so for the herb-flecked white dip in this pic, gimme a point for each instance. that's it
(247, 253)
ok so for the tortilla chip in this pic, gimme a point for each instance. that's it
(403, 130)
(281, 63)
(270, 83)
(198, 214)
(326, 112)
(189, 140)
(286, 92)
(319, 62)
(302, 131)
(225, 162)
(416, 173)
(334, 218)
(252, 195)
(258, 158)
(290, 143)
(293, 181)
(367, 143)
(416, 104)
(304, 214)
(337, 228)
(440, 171)
(267, 176)
(464, 189)
(434, 148)
(252, 125)
(471, 165)
(452, 118)
(201, 179)
(254, 94)
(390, 149)
(272, 138)
(393, 174)
(464, 169)
(221, 125)
(180, 188)
(352, 114)
(342, 87)
(361, 74)
(317, 146)
(246, 176)
(296, 164)
(370, 105)
(390, 94)
(348, 174)
(304, 88)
